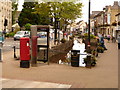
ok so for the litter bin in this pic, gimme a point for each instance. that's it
(75, 58)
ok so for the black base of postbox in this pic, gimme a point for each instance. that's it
(24, 64)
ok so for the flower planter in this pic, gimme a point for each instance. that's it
(90, 61)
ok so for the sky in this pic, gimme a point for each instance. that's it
(96, 5)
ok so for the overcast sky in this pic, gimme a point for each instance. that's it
(96, 5)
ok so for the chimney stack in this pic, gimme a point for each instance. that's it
(116, 3)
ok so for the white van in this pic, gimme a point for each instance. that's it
(20, 34)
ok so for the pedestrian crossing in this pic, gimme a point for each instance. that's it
(13, 83)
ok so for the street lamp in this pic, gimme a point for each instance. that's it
(89, 23)
(103, 19)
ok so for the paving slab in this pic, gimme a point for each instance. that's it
(12, 83)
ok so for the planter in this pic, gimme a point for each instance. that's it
(100, 49)
(63, 40)
(57, 52)
(90, 61)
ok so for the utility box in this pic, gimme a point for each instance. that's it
(25, 52)
(75, 54)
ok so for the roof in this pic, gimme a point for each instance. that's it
(94, 13)
(99, 14)
(117, 14)
(16, 24)
(79, 22)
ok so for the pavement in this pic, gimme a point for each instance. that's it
(13, 83)
(103, 75)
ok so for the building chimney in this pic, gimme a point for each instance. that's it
(116, 3)
(119, 3)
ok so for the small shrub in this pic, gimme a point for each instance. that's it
(91, 36)
(16, 30)
(85, 35)
(100, 49)
(11, 34)
(93, 61)
(27, 26)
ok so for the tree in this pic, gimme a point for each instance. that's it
(43, 13)
(69, 11)
(14, 10)
(66, 12)
(43, 10)
(27, 26)
(26, 15)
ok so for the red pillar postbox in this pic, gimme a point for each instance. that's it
(25, 52)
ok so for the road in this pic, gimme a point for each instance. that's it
(9, 43)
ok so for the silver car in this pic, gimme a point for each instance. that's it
(20, 34)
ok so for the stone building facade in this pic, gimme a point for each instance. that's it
(5, 13)
(104, 21)
(117, 28)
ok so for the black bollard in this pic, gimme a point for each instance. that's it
(15, 52)
(0, 55)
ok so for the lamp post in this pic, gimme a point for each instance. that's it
(103, 20)
(5, 25)
(89, 23)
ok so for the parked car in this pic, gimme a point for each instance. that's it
(20, 34)
(41, 34)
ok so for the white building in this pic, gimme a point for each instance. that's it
(81, 26)
(5, 13)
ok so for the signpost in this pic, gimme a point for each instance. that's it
(35, 47)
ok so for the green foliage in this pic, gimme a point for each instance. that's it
(26, 15)
(16, 30)
(43, 10)
(66, 11)
(91, 36)
(100, 49)
(11, 34)
(27, 26)
(93, 61)
(85, 35)
(41, 13)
